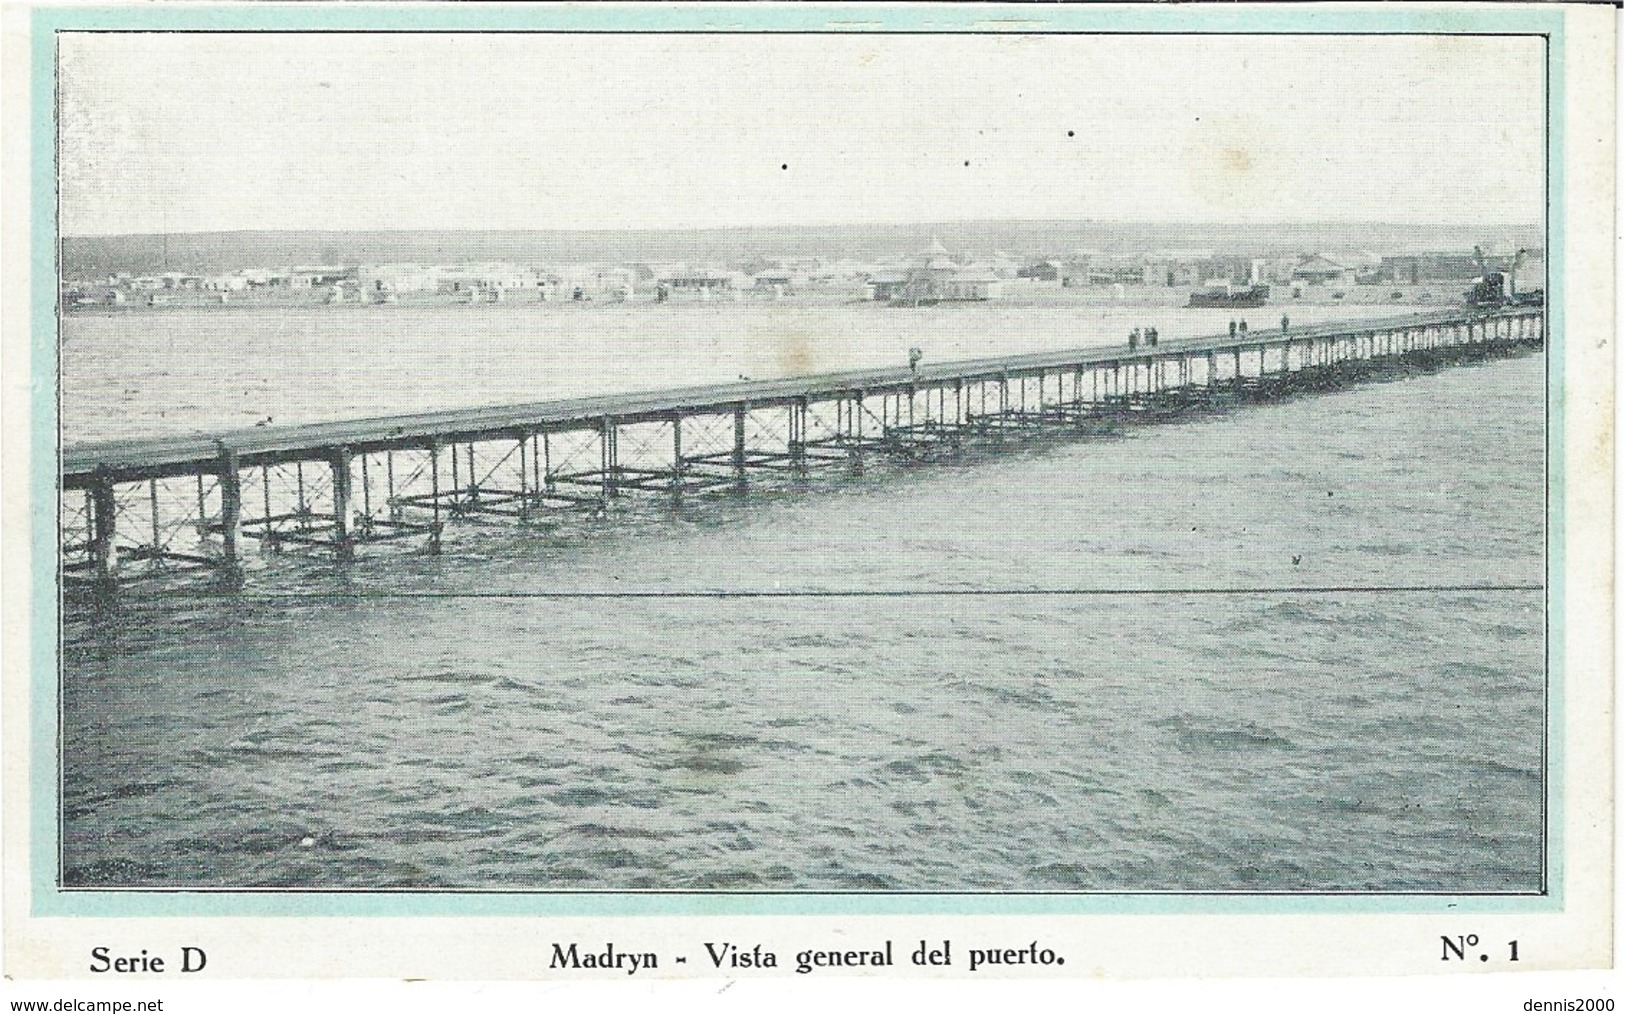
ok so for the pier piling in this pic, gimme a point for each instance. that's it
(231, 505)
(103, 521)
(340, 462)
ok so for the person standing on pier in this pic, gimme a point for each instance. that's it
(1151, 337)
(1244, 329)
(1232, 329)
(1284, 323)
(1134, 339)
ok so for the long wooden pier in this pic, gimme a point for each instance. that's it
(152, 506)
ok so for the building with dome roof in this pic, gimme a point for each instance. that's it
(934, 277)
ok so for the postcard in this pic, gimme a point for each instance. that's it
(728, 492)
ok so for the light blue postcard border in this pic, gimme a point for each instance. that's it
(49, 900)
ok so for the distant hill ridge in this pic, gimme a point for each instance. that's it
(219, 252)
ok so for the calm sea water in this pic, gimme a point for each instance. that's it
(140, 372)
(528, 710)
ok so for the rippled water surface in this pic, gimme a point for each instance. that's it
(949, 711)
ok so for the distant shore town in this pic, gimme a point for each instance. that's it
(928, 277)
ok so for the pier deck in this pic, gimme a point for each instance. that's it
(397, 477)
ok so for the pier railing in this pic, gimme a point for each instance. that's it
(149, 506)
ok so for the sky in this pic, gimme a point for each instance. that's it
(213, 132)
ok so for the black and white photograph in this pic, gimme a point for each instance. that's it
(1060, 467)
(958, 473)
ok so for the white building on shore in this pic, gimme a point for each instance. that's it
(382, 280)
(935, 278)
